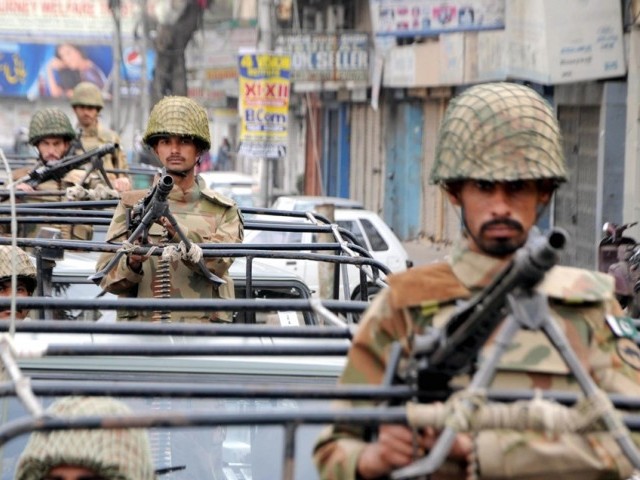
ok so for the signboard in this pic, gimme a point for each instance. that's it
(68, 19)
(553, 42)
(326, 57)
(45, 70)
(409, 18)
(264, 104)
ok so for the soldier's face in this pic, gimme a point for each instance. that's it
(87, 116)
(21, 291)
(52, 148)
(499, 215)
(71, 473)
(177, 154)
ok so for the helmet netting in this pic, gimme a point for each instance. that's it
(499, 132)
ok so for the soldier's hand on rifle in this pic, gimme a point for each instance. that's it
(461, 449)
(396, 447)
(135, 261)
(171, 232)
(24, 187)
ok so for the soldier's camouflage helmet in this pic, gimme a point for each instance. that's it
(181, 116)
(50, 122)
(88, 95)
(111, 454)
(499, 132)
(25, 269)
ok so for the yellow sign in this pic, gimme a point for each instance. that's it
(265, 86)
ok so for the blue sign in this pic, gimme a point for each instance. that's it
(45, 70)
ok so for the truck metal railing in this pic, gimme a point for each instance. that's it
(347, 247)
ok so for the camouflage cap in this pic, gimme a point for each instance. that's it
(178, 116)
(24, 266)
(87, 94)
(499, 132)
(50, 122)
(111, 454)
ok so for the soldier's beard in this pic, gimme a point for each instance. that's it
(499, 246)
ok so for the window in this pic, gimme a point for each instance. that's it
(354, 228)
(375, 239)
(276, 238)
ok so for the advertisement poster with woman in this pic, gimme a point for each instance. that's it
(45, 70)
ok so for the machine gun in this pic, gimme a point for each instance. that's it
(58, 170)
(151, 207)
(441, 354)
(143, 215)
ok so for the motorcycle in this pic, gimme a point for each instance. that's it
(619, 256)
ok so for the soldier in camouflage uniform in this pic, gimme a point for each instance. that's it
(50, 131)
(499, 158)
(108, 454)
(178, 131)
(25, 275)
(87, 102)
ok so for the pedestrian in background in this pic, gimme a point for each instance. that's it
(224, 160)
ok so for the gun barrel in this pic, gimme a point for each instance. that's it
(44, 173)
(165, 184)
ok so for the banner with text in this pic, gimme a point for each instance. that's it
(264, 81)
(408, 18)
(68, 19)
(340, 57)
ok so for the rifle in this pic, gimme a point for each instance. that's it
(441, 354)
(58, 170)
(143, 215)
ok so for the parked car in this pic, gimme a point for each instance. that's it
(368, 228)
(243, 188)
(304, 203)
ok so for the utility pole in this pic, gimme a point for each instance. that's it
(265, 45)
(114, 6)
(144, 67)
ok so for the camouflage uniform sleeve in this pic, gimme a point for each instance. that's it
(337, 449)
(121, 279)
(510, 454)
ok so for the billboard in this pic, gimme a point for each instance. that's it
(327, 57)
(68, 19)
(410, 18)
(46, 70)
(264, 104)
